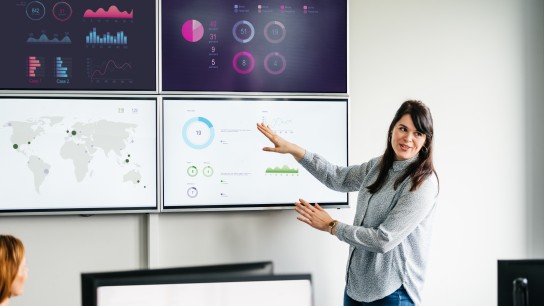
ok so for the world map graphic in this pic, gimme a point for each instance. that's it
(81, 143)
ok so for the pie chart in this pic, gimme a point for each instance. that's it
(192, 30)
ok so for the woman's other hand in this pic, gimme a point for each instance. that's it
(315, 215)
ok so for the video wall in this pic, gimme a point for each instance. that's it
(78, 45)
(96, 154)
(294, 46)
(151, 106)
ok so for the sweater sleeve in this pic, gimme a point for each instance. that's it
(335, 177)
(410, 210)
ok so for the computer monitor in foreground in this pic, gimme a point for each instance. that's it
(519, 281)
(270, 290)
(119, 281)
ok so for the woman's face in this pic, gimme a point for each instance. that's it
(405, 139)
(20, 279)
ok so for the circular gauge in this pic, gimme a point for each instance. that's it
(192, 30)
(207, 171)
(62, 11)
(243, 62)
(243, 31)
(274, 63)
(198, 133)
(35, 10)
(274, 32)
(192, 192)
(192, 171)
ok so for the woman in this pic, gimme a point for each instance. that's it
(389, 238)
(13, 270)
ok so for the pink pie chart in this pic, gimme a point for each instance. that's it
(192, 30)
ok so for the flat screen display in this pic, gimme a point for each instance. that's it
(247, 46)
(292, 290)
(90, 282)
(213, 155)
(62, 154)
(78, 45)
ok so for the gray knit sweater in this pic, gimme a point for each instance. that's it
(390, 236)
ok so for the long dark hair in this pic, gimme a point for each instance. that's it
(423, 166)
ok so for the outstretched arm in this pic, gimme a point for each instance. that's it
(280, 145)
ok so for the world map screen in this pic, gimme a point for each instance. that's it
(77, 154)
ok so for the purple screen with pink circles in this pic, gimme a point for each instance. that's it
(246, 46)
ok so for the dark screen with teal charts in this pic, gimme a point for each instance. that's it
(78, 45)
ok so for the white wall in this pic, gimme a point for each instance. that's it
(464, 58)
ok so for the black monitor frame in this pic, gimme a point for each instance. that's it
(92, 280)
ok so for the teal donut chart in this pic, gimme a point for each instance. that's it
(203, 138)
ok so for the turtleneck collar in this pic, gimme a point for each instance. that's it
(400, 165)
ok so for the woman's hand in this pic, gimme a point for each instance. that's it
(280, 145)
(315, 216)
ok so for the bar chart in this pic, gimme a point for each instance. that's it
(117, 39)
(63, 67)
(36, 67)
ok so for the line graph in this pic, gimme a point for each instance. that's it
(279, 125)
(44, 39)
(109, 71)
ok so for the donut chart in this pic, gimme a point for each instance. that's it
(274, 32)
(243, 31)
(192, 171)
(275, 63)
(198, 133)
(35, 10)
(243, 62)
(192, 192)
(62, 11)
